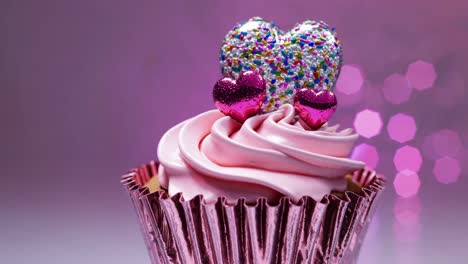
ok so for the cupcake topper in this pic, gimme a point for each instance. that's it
(308, 56)
(314, 106)
(298, 67)
(241, 98)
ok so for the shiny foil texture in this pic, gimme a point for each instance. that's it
(179, 231)
(241, 98)
(315, 107)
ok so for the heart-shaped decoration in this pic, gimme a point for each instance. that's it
(241, 98)
(315, 107)
(308, 56)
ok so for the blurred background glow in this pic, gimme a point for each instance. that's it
(447, 170)
(407, 225)
(421, 75)
(407, 158)
(89, 87)
(401, 127)
(446, 142)
(396, 89)
(406, 183)
(366, 153)
(351, 79)
(368, 123)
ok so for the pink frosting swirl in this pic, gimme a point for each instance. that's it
(270, 155)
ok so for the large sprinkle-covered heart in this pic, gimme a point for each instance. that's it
(309, 55)
(315, 107)
(241, 98)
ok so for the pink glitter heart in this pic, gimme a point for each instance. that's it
(315, 107)
(242, 98)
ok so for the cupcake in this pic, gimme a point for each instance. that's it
(264, 178)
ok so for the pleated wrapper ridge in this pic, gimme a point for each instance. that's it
(176, 230)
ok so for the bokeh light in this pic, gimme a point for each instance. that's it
(406, 183)
(396, 89)
(407, 158)
(401, 127)
(345, 100)
(367, 154)
(368, 123)
(446, 142)
(350, 80)
(421, 75)
(447, 170)
(407, 224)
(407, 210)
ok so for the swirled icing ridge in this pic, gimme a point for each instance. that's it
(270, 155)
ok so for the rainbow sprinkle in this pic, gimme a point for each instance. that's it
(309, 55)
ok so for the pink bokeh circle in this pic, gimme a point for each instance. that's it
(421, 75)
(406, 183)
(367, 154)
(350, 80)
(446, 142)
(401, 127)
(368, 123)
(447, 170)
(407, 158)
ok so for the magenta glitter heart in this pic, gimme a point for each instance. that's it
(241, 98)
(315, 107)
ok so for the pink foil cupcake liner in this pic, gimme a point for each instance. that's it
(309, 231)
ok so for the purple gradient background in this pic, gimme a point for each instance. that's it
(89, 87)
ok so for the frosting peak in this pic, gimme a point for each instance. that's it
(269, 155)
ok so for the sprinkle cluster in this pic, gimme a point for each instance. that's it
(308, 56)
